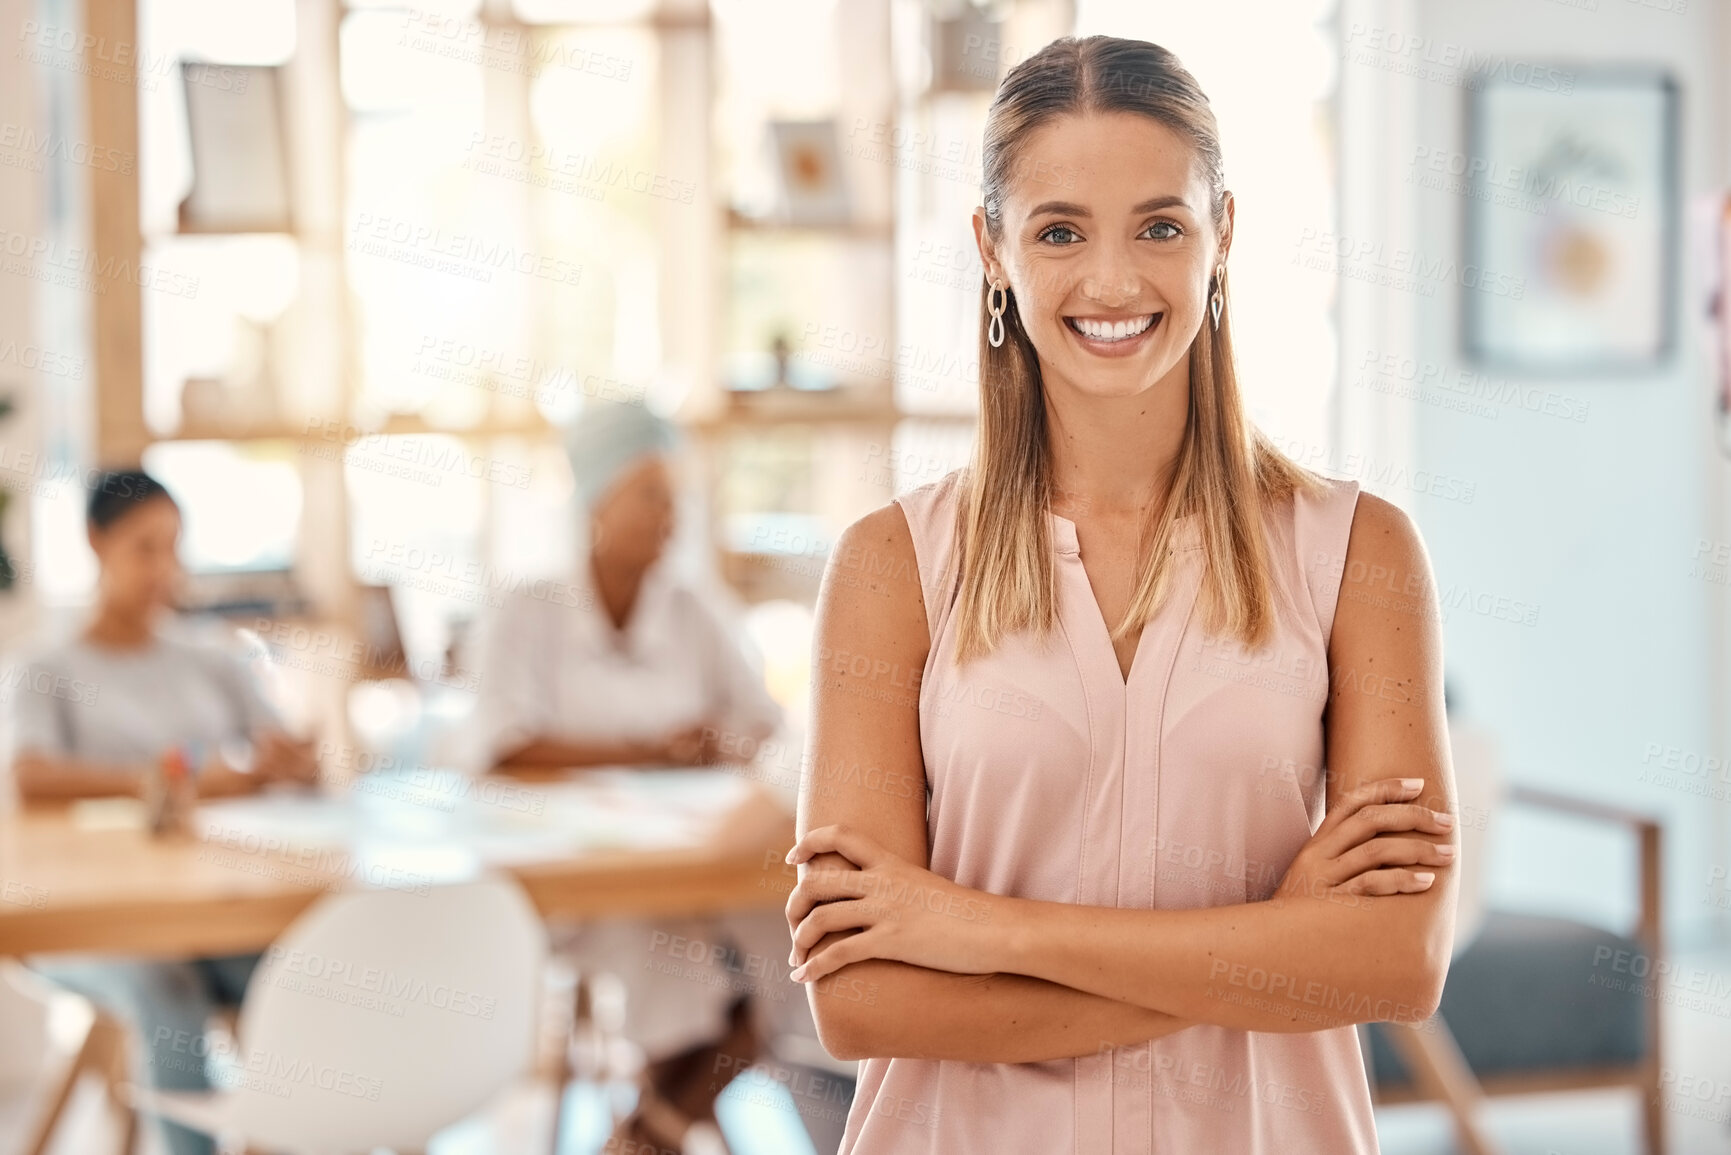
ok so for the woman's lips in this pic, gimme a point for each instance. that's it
(1113, 348)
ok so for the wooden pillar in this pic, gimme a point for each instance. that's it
(116, 243)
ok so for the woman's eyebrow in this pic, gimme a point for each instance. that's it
(1072, 209)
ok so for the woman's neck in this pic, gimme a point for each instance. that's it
(617, 584)
(117, 629)
(1116, 455)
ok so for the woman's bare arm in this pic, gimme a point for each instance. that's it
(43, 778)
(864, 768)
(47, 778)
(543, 752)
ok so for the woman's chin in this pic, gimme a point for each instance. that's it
(1093, 377)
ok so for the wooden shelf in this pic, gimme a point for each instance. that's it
(882, 231)
(404, 424)
(262, 229)
(307, 240)
(800, 407)
(399, 425)
(762, 577)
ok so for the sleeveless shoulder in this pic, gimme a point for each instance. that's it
(1321, 525)
(930, 510)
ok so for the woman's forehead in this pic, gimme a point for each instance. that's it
(1104, 162)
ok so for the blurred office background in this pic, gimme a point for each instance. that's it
(340, 272)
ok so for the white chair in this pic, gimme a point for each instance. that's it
(379, 1018)
(49, 1039)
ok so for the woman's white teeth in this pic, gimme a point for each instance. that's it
(1111, 330)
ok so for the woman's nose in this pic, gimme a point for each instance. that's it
(1110, 289)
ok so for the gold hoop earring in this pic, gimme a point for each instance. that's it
(997, 300)
(1216, 302)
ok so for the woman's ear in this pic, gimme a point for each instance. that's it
(983, 241)
(1231, 209)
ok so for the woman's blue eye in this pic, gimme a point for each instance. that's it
(1065, 235)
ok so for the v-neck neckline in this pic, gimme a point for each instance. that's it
(1066, 541)
(642, 622)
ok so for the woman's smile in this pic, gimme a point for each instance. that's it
(1114, 336)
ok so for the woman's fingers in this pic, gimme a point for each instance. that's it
(838, 954)
(842, 840)
(1380, 852)
(1392, 880)
(1369, 794)
(823, 885)
(1388, 818)
(854, 914)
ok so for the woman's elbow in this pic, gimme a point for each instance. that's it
(1419, 987)
(856, 1013)
(32, 780)
(845, 1026)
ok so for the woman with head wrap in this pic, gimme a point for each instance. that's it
(630, 666)
(627, 665)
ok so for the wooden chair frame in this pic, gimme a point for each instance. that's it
(1430, 1053)
(102, 1051)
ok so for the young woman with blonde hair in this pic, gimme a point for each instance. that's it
(1095, 880)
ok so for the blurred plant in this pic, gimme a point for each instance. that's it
(8, 571)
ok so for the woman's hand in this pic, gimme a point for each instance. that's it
(217, 779)
(696, 745)
(1346, 857)
(902, 912)
(279, 758)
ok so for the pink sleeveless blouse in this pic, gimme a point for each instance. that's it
(1193, 784)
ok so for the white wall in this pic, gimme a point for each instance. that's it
(21, 186)
(20, 211)
(1597, 522)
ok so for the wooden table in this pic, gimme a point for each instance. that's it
(584, 845)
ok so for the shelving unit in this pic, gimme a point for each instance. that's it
(706, 283)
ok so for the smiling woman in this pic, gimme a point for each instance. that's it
(1107, 923)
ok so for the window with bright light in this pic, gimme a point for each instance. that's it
(1270, 95)
(240, 502)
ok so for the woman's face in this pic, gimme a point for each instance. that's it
(138, 558)
(1106, 231)
(634, 519)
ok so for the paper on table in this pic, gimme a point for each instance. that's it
(288, 820)
(443, 826)
(609, 810)
(108, 814)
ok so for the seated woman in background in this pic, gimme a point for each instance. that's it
(631, 667)
(639, 671)
(93, 716)
(147, 693)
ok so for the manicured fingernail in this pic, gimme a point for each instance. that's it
(798, 975)
(1424, 876)
(1446, 821)
(1445, 852)
(789, 858)
(1412, 783)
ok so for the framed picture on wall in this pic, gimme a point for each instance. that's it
(240, 176)
(1570, 229)
(808, 160)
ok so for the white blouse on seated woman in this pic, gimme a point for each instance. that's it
(556, 667)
